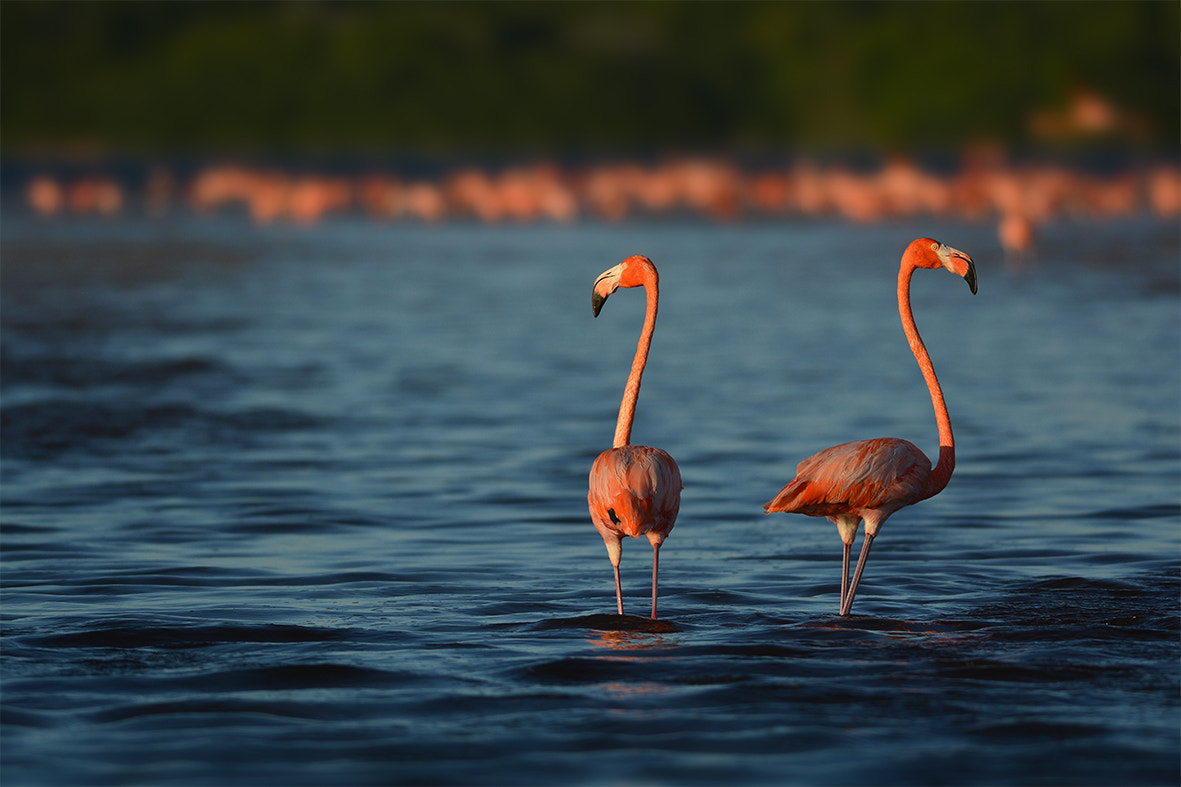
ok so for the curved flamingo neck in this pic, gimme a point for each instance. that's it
(631, 392)
(941, 473)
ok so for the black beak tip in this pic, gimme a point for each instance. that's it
(597, 302)
(970, 277)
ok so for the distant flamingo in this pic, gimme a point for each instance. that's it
(871, 479)
(634, 490)
(1016, 233)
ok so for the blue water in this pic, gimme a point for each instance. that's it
(308, 506)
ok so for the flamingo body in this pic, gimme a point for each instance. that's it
(635, 490)
(868, 480)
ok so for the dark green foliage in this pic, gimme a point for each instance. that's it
(573, 76)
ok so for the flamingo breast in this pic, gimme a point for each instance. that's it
(635, 489)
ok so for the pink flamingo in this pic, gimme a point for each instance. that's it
(871, 479)
(1017, 236)
(634, 490)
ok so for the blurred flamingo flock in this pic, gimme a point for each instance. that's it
(1019, 197)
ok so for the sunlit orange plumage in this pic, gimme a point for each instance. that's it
(868, 480)
(634, 490)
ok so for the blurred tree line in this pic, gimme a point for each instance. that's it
(561, 77)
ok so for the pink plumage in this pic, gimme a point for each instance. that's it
(851, 478)
(635, 490)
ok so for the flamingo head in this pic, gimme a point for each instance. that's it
(933, 254)
(635, 271)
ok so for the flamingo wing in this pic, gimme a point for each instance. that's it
(635, 489)
(864, 475)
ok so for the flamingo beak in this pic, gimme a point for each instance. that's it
(970, 276)
(948, 254)
(607, 282)
(597, 302)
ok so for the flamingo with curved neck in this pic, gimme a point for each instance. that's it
(868, 480)
(634, 490)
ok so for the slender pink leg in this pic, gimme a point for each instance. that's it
(618, 590)
(845, 575)
(848, 602)
(655, 566)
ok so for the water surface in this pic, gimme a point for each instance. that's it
(288, 506)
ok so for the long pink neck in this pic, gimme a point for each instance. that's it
(631, 392)
(941, 474)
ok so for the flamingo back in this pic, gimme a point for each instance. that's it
(882, 475)
(635, 490)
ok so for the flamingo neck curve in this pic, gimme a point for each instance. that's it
(631, 392)
(941, 473)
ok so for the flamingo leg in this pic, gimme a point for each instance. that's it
(618, 589)
(845, 574)
(847, 604)
(655, 567)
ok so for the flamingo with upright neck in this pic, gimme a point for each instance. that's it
(634, 490)
(868, 480)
